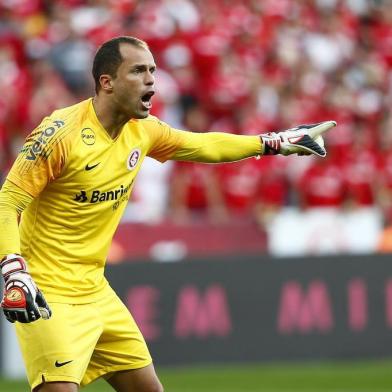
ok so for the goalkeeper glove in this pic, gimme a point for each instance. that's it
(22, 300)
(301, 140)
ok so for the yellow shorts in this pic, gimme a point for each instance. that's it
(80, 343)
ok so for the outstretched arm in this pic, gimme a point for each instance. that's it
(216, 147)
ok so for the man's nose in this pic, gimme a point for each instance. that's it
(149, 79)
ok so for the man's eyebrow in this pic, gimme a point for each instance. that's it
(143, 66)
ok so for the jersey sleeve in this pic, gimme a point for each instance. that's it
(210, 147)
(13, 201)
(42, 156)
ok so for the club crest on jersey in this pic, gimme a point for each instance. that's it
(133, 158)
(88, 136)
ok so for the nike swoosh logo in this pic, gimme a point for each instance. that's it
(59, 364)
(91, 167)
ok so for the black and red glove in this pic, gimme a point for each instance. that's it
(301, 140)
(22, 300)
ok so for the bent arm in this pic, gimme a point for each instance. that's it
(13, 200)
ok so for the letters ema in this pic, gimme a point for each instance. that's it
(199, 313)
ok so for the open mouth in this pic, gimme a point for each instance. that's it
(146, 100)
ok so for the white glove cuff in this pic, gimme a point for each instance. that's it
(12, 263)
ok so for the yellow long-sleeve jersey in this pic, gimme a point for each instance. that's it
(80, 180)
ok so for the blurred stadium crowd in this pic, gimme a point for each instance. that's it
(241, 66)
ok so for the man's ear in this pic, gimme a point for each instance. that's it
(106, 82)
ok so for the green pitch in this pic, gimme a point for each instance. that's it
(372, 376)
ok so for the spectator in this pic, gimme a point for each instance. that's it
(195, 188)
(322, 185)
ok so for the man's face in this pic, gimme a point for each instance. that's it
(133, 86)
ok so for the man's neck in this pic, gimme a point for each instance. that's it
(111, 120)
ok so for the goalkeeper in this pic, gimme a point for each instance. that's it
(70, 185)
